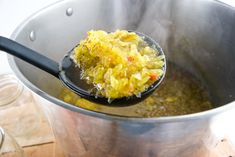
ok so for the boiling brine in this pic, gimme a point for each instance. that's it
(180, 93)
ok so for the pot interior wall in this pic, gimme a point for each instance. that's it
(195, 35)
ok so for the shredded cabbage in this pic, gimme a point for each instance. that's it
(118, 64)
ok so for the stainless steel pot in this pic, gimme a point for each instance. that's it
(197, 35)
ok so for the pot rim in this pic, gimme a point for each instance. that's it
(167, 119)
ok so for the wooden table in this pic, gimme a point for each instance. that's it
(35, 138)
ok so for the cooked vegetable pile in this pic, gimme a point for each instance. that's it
(118, 64)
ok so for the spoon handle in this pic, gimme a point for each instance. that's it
(29, 55)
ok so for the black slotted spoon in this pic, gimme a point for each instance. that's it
(69, 74)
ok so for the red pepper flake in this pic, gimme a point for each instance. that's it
(130, 58)
(153, 76)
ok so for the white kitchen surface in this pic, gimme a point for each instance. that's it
(13, 12)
